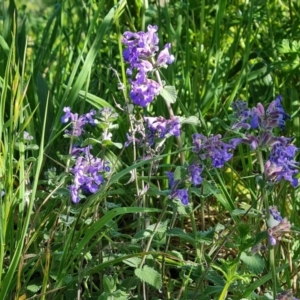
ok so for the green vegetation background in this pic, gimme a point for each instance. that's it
(57, 54)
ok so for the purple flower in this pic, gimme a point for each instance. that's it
(77, 122)
(140, 44)
(140, 52)
(275, 214)
(212, 148)
(275, 232)
(242, 114)
(143, 92)
(182, 195)
(159, 126)
(88, 173)
(258, 118)
(195, 171)
(281, 164)
(164, 57)
(172, 182)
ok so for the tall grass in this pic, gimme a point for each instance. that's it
(127, 242)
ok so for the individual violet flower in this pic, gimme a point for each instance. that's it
(212, 148)
(164, 57)
(275, 232)
(180, 194)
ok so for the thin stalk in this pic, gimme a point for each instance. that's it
(171, 113)
(271, 248)
(152, 236)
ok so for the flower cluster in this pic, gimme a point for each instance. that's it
(140, 52)
(278, 226)
(77, 122)
(88, 173)
(280, 163)
(145, 133)
(257, 117)
(194, 171)
(212, 148)
(181, 194)
(161, 128)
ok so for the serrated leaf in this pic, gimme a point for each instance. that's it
(132, 261)
(179, 173)
(109, 284)
(169, 93)
(162, 227)
(178, 232)
(254, 263)
(193, 120)
(150, 276)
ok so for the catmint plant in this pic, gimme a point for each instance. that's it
(259, 125)
(88, 171)
(278, 226)
(77, 122)
(140, 52)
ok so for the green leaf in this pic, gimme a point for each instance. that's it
(169, 93)
(178, 232)
(109, 284)
(192, 120)
(162, 227)
(133, 261)
(150, 276)
(254, 263)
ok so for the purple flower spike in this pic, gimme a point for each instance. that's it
(88, 173)
(281, 164)
(77, 122)
(182, 195)
(212, 148)
(143, 93)
(140, 54)
(159, 126)
(195, 171)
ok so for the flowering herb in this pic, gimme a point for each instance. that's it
(77, 122)
(281, 164)
(142, 47)
(161, 127)
(212, 148)
(88, 173)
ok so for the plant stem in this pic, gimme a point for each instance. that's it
(271, 248)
